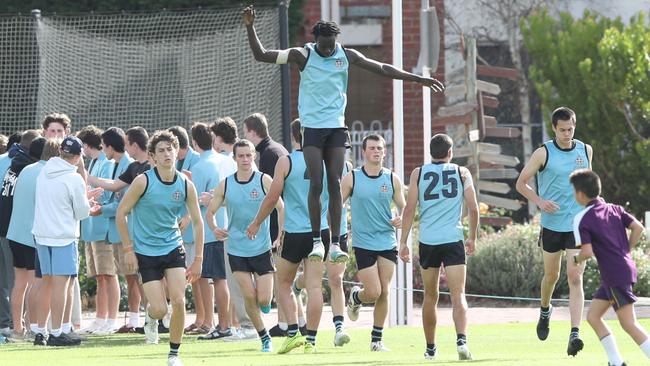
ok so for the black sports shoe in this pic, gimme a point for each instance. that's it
(277, 332)
(542, 325)
(303, 330)
(162, 328)
(216, 333)
(39, 340)
(62, 341)
(575, 345)
(139, 330)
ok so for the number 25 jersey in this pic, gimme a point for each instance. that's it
(440, 191)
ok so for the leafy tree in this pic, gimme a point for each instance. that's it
(598, 66)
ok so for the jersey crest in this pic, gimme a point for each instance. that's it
(255, 194)
(176, 196)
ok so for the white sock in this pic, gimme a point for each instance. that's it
(645, 347)
(99, 322)
(134, 319)
(283, 326)
(41, 331)
(609, 344)
(110, 323)
(56, 332)
(33, 327)
(301, 321)
(65, 327)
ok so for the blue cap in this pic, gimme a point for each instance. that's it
(72, 145)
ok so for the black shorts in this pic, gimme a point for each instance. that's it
(24, 255)
(367, 258)
(37, 266)
(297, 246)
(554, 241)
(326, 137)
(449, 254)
(152, 268)
(260, 264)
(214, 261)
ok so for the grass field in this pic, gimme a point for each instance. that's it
(502, 344)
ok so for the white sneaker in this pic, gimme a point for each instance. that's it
(168, 317)
(106, 329)
(463, 352)
(174, 361)
(317, 253)
(151, 331)
(378, 347)
(353, 308)
(341, 338)
(427, 356)
(92, 328)
(337, 255)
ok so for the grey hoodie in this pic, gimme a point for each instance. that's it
(61, 202)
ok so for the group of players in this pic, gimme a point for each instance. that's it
(176, 213)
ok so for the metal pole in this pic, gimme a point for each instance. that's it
(283, 10)
(36, 16)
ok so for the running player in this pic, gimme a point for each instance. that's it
(439, 190)
(371, 189)
(250, 257)
(600, 230)
(157, 198)
(322, 99)
(553, 163)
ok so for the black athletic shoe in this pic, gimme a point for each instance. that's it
(277, 332)
(162, 328)
(303, 330)
(39, 340)
(609, 364)
(216, 333)
(542, 325)
(139, 330)
(62, 341)
(575, 345)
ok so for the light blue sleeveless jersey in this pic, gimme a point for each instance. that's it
(553, 183)
(322, 95)
(371, 213)
(243, 200)
(440, 199)
(155, 215)
(295, 195)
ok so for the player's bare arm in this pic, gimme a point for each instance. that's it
(398, 198)
(193, 273)
(268, 182)
(292, 55)
(107, 184)
(408, 214)
(357, 58)
(216, 202)
(636, 230)
(469, 196)
(129, 200)
(585, 253)
(272, 197)
(531, 168)
(590, 155)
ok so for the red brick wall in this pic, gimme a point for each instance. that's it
(411, 46)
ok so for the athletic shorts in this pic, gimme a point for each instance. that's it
(326, 137)
(118, 254)
(260, 264)
(152, 268)
(104, 258)
(90, 261)
(367, 258)
(190, 254)
(214, 262)
(554, 241)
(37, 266)
(24, 255)
(618, 296)
(449, 254)
(58, 261)
(297, 246)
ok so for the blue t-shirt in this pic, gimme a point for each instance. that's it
(95, 228)
(205, 176)
(22, 215)
(110, 208)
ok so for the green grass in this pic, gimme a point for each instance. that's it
(502, 344)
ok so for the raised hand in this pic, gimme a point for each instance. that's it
(435, 84)
(249, 15)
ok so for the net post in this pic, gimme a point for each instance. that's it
(36, 17)
(285, 76)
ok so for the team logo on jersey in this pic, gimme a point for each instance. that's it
(384, 188)
(579, 162)
(176, 196)
(338, 63)
(255, 194)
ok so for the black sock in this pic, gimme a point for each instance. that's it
(335, 239)
(315, 237)
(338, 323)
(431, 349)
(545, 311)
(575, 332)
(292, 330)
(173, 349)
(264, 335)
(311, 336)
(355, 297)
(461, 339)
(376, 333)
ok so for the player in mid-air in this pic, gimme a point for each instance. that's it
(156, 199)
(439, 190)
(322, 100)
(553, 163)
(599, 230)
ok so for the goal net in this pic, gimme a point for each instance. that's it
(155, 70)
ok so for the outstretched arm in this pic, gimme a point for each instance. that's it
(408, 215)
(357, 58)
(272, 198)
(291, 55)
